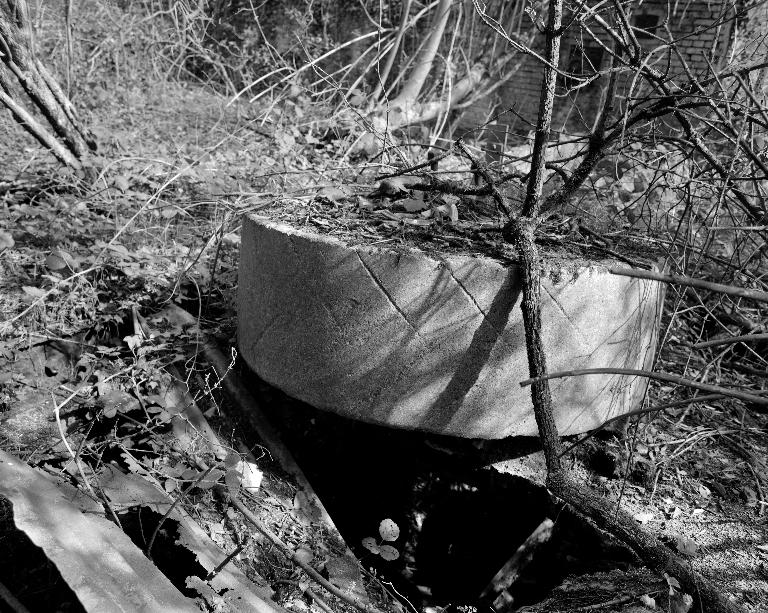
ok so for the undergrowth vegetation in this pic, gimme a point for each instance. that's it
(203, 117)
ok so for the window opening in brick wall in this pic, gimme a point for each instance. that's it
(582, 62)
(646, 26)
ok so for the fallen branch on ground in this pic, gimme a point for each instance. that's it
(653, 409)
(293, 557)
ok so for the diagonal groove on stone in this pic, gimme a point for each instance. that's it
(388, 296)
(565, 314)
(270, 322)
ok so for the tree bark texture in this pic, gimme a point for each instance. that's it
(521, 232)
(20, 64)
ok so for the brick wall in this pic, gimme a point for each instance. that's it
(691, 23)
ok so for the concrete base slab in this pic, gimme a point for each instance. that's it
(410, 340)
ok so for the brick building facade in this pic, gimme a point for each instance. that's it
(701, 29)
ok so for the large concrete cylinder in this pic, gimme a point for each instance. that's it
(400, 337)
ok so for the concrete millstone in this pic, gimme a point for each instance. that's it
(406, 339)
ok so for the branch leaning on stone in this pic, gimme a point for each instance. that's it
(730, 290)
(658, 376)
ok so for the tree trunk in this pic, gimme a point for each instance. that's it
(423, 66)
(406, 108)
(521, 231)
(404, 113)
(69, 141)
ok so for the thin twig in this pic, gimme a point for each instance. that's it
(56, 411)
(200, 477)
(226, 560)
(731, 340)
(14, 603)
(477, 164)
(318, 600)
(653, 409)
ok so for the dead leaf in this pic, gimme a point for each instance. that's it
(332, 194)
(412, 205)
(390, 187)
(304, 554)
(35, 292)
(644, 518)
(449, 212)
(344, 572)
(680, 602)
(121, 182)
(240, 593)
(686, 546)
(6, 240)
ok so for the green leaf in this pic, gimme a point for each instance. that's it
(232, 479)
(389, 530)
(211, 479)
(118, 401)
(389, 553)
(370, 544)
(355, 97)
(60, 260)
